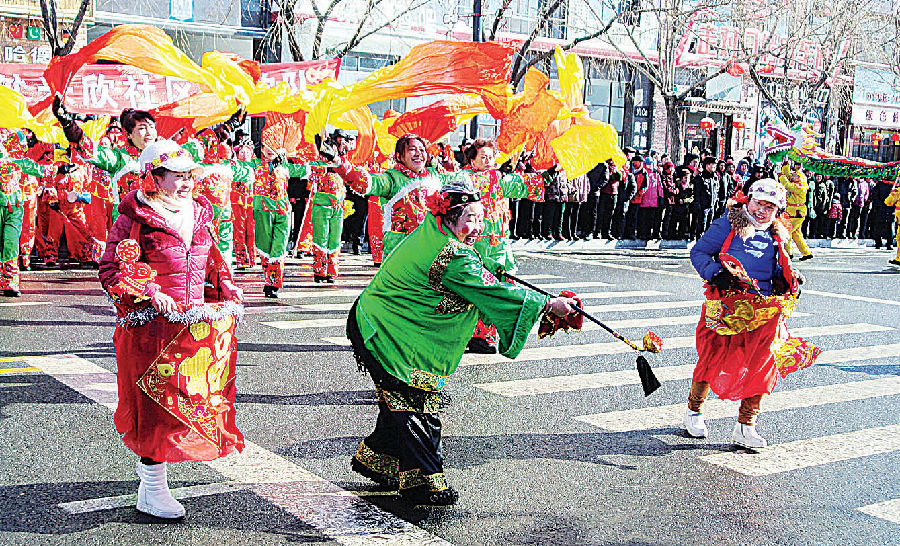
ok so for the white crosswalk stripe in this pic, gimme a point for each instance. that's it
(679, 342)
(887, 510)
(565, 383)
(336, 512)
(670, 415)
(309, 323)
(323, 291)
(811, 452)
(643, 306)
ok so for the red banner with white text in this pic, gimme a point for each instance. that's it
(109, 89)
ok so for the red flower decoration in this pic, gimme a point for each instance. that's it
(438, 203)
(488, 278)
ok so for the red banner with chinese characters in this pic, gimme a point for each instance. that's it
(109, 89)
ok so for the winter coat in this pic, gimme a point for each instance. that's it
(627, 188)
(860, 192)
(180, 272)
(553, 186)
(655, 195)
(706, 189)
(612, 184)
(756, 250)
(580, 189)
(824, 194)
(884, 213)
(641, 181)
(598, 177)
(842, 187)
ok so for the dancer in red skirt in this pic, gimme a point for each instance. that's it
(175, 352)
(742, 340)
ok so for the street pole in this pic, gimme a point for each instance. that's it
(476, 37)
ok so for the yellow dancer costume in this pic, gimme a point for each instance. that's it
(797, 187)
(893, 200)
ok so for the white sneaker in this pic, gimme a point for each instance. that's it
(154, 497)
(694, 424)
(746, 436)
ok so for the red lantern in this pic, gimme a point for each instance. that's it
(735, 70)
(876, 138)
(739, 125)
(707, 124)
(895, 138)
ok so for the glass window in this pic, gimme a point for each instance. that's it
(618, 94)
(598, 92)
(617, 118)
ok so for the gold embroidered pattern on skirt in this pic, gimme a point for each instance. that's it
(383, 464)
(415, 478)
(742, 312)
(418, 402)
(793, 354)
(426, 381)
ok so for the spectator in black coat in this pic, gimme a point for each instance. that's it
(706, 192)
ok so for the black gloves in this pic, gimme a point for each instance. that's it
(72, 131)
(326, 149)
(236, 120)
(59, 110)
(723, 280)
(780, 286)
(506, 167)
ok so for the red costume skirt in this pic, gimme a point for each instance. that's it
(177, 389)
(744, 345)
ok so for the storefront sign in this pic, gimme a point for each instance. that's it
(876, 99)
(22, 41)
(108, 89)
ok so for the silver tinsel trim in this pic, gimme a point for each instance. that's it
(198, 313)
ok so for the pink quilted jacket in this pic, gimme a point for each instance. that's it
(180, 271)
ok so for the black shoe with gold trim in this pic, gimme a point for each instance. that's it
(385, 480)
(421, 495)
(479, 346)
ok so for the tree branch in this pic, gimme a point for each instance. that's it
(48, 18)
(499, 17)
(539, 25)
(546, 54)
(347, 48)
(76, 26)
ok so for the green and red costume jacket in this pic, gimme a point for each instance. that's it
(495, 188)
(418, 313)
(402, 194)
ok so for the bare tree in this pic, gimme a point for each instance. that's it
(51, 26)
(654, 44)
(371, 19)
(526, 57)
(789, 78)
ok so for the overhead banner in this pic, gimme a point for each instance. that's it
(109, 89)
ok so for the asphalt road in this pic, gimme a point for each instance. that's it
(557, 447)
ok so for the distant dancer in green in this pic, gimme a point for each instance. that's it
(409, 329)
